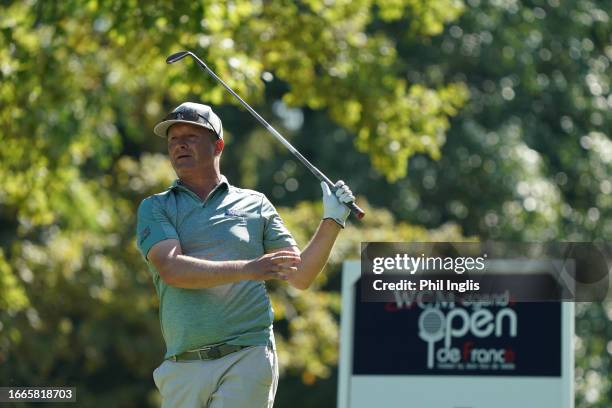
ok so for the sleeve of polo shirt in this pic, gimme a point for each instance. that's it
(276, 235)
(153, 225)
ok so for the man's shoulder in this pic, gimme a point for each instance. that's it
(247, 192)
(157, 199)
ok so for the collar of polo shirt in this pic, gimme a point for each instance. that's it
(177, 182)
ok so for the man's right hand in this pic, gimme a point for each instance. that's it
(276, 265)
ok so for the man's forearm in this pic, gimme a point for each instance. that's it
(187, 272)
(315, 254)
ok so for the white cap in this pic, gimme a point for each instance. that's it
(192, 113)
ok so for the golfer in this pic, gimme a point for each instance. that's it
(210, 246)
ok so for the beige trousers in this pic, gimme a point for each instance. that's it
(246, 378)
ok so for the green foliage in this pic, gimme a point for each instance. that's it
(14, 298)
(534, 137)
(592, 351)
(498, 113)
(81, 82)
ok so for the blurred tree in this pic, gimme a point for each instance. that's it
(83, 82)
(527, 157)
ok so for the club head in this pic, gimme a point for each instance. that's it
(176, 56)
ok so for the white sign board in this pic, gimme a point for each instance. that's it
(451, 355)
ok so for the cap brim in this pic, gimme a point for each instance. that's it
(161, 129)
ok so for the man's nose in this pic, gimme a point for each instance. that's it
(179, 147)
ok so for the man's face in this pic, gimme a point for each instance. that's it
(192, 148)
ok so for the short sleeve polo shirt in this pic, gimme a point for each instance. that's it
(230, 224)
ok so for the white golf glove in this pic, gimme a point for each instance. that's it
(333, 206)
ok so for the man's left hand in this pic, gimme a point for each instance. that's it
(333, 205)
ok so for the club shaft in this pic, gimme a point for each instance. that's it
(317, 173)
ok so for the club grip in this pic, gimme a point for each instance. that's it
(357, 212)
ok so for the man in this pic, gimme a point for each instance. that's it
(209, 247)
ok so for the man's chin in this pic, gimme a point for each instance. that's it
(184, 166)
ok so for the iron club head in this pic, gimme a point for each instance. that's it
(176, 56)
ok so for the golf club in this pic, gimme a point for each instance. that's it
(358, 212)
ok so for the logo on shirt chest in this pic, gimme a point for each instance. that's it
(236, 213)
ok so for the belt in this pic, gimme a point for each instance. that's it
(208, 353)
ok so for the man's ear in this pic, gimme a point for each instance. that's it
(219, 144)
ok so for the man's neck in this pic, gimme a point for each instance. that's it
(203, 184)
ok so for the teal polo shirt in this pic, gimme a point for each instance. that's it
(230, 224)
